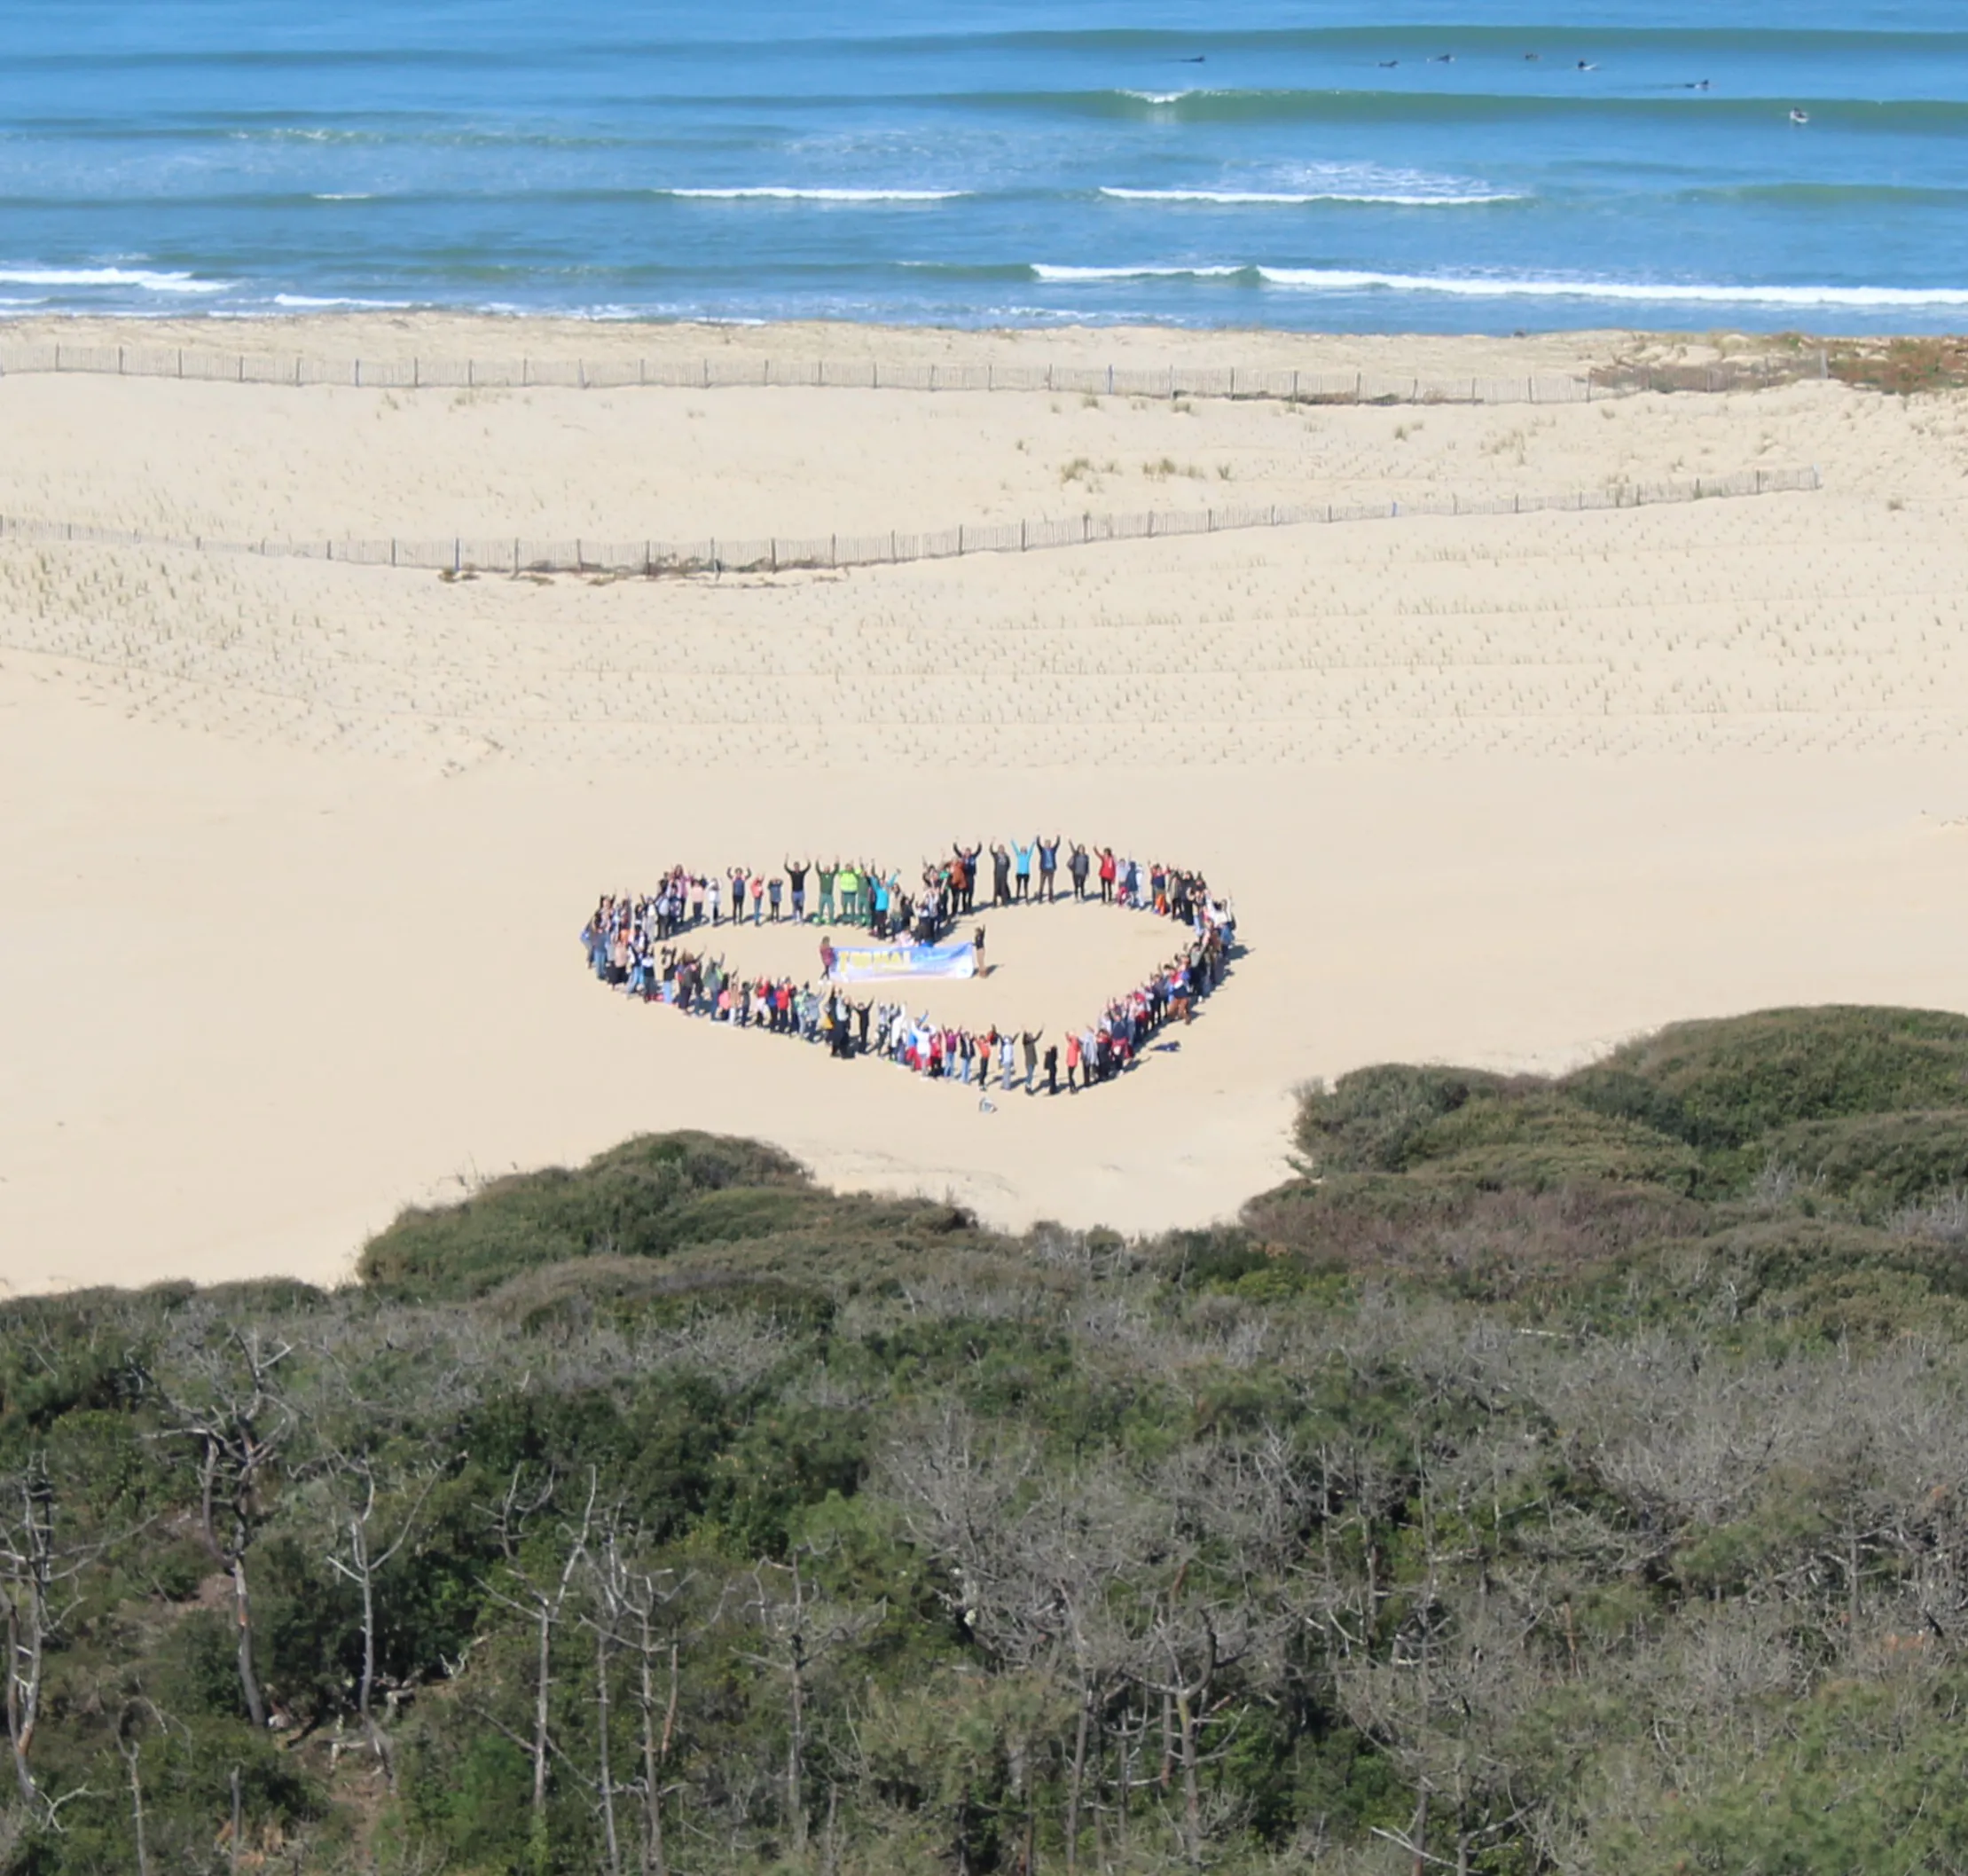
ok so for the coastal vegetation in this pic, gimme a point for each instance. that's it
(1555, 1474)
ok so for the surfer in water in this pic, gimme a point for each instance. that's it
(1800, 117)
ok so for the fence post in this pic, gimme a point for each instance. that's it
(242, 367)
(989, 384)
(1111, 380)
(392, 550)
(119, 361)
(457, 556)
(1294, 386)
(891, 530)
(1360, 385)
(960, 538)
(773, 546)
(581, 373)
(526, 370)
(1152, 524)
(833, 550)
(359, 374)
(416, 373)
(577, 554)
(515, 556)
(1021, 536)
(181, 361)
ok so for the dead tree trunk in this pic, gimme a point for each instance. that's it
(29, 1561)
(240, 1429)
(605, 1769)
(360, 1565)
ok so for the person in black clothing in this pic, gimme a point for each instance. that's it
(795, 877)
(1000, 875)
(1048, 866)
(967, 886)
(1052, 1068)
(1078, 865)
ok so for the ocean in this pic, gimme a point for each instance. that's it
(1673, 165)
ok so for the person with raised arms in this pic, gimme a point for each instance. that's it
(1048, 864)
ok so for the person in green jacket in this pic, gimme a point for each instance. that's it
(847, 880)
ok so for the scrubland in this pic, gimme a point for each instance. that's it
(1553, 1474)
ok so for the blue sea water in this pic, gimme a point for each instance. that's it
(1313, 165)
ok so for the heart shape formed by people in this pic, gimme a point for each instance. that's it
(826, 954)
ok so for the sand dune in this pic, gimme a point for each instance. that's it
(293, 853)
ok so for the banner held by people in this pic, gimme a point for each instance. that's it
(882, 963)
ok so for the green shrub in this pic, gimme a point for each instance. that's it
(629, 1202)
(1370, 1118)
(1876, 1163)
(1541, 1141)
(1720, 1084)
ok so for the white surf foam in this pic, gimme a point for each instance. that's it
(1277, 198)
(140, 277)
(779, 194)
(351, 195)
(1639, 292)
(309, 303)
(1159, 97)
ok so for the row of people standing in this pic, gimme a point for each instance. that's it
(863, 895)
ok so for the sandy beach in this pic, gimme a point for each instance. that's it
(293, 853)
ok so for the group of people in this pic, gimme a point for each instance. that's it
(633, 942)
(866, 896)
